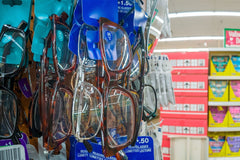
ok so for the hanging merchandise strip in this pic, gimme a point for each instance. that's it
(160, 78)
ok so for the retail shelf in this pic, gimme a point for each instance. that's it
(224, 49)
(223, 103)
(223, 129)
(224, 158)
(224, 77)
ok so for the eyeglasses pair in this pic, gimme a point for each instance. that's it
(12, 50)
(118, 122)
(119, 103)
(87, 102)
(55, 94)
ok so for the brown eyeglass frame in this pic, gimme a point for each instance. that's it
(46, 113)
(109, 150)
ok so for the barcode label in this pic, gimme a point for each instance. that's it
(178, 129)
(171, 129)
(193, 107)
(180, 62)
(201, 85)
(194, 62)
(194, 85)
(189, 85)
(15, 152)
(201, 107)
(188, 62)
(185, 107)
(183, 130)
(200, 130)
(165, 128)
(201, 62)
(173, 62)
(193, 130)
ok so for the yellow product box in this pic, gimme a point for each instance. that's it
(234, 91)
(218, 116)
(218, 91)
(233, 145)
(234, 65)
(217, 145)
(234, 116)
(219, 65)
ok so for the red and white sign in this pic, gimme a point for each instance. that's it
(231, 37)
(190, 85)
(189, 62)
(171, 126)
(187, 107)
(166, 147)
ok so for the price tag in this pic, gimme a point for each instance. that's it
(142, 150)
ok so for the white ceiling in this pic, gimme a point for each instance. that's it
(200, 5)
(200, 26)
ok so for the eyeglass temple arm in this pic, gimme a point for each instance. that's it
(7, 46)
(88, 145)
(16, 135)
(152, 114)
(147, 62)
(120, 155)
(141, 78)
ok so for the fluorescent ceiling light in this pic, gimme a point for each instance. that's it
(180, 50)
(202, 13)
(191, 38)
(197, 50)
(159, 19)
(155, 30)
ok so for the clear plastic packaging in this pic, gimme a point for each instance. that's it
(166, 66)
(160, 78)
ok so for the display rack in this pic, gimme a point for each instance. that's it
(223, 129)
(228, 103)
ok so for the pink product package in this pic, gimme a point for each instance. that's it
(216, 145)
(218, 114)
(235, 113)
(236, 88)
